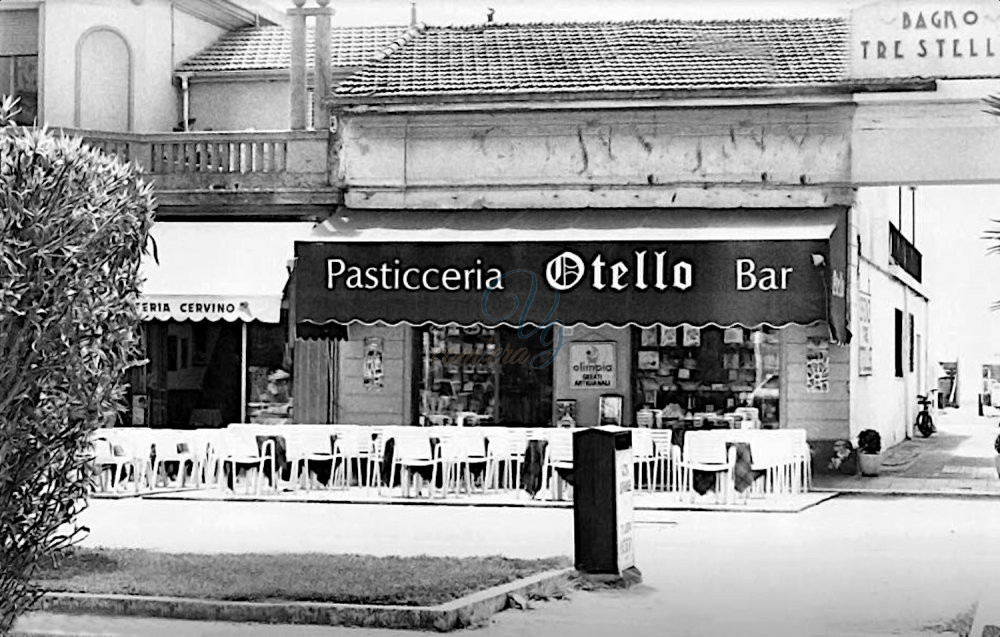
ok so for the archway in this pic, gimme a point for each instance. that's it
(103, 81)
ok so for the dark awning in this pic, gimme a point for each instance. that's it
(575, 267)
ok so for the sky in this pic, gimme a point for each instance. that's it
(961, 278)
(443, 12)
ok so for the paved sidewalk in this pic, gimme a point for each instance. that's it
(957, 460)
(851, 566)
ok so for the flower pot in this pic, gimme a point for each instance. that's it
(870, 463)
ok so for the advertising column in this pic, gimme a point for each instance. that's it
(602, 505)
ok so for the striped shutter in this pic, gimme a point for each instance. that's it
(19, 32)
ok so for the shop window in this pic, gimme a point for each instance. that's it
(685, 370)
(899, 343)
(461, 375)
(19, 78)
(482, 376)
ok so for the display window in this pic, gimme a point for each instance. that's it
(683, 371)
(477, 376)
(461, 376)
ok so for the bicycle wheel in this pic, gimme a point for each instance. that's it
(924, 424)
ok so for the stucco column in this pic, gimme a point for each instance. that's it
(321, 87)
(298, 115)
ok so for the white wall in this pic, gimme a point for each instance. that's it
(701, 157)
(148, 29)
(927, 137)
(881, 400)
(824, 416)
(244, 105)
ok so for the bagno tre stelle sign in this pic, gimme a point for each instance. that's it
(944, 39)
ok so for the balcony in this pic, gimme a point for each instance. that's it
(230, 174)
(904, 253)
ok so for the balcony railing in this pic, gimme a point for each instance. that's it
(192, 168)
(904, 253)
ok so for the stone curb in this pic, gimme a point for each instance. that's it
(460, 613)
(539, 504)
(949, 493)
(527, 504)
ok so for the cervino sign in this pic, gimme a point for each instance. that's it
(926, 39)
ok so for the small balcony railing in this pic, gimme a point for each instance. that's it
(186, 166)
(904, 253)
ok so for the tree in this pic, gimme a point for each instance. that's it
(74, 223)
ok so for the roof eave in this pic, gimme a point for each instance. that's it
(556, 99)
(337, 75)
(232, 14)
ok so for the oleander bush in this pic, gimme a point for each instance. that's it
(74, 224)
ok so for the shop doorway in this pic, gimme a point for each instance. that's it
(191, 377)
(525, 390)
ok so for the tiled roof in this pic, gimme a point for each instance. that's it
(269, 48)
(607, 56)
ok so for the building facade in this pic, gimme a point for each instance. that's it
(506, 146)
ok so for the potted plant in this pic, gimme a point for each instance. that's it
(869, 452)
(996, 459)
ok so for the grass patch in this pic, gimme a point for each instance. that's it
(348, 579)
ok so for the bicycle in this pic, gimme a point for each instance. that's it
(925, 421)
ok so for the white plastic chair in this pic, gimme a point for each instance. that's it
(558, 455)
(206, 444)
(354, 446)
(769, 455)
(505, 454)
(241, 448)
(411, 450)
(802, 457)
(456, 455)
(173, 445)
(663, 470)
(303, 447)
(707, 451)
(644, 455)
(375, 467)
(136, 444)
(105, 458)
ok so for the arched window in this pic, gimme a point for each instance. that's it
(103, 81)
